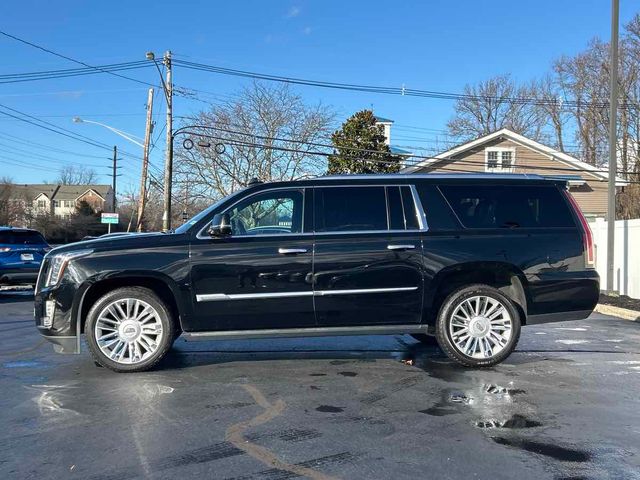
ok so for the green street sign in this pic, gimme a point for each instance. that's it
(109, 218)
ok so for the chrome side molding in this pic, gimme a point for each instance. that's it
(214, 297)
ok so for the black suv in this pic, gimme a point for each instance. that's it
(468, 259)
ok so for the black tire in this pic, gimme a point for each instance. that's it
(163, 315)
(425, 339)
(445, 316)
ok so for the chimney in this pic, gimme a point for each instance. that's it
(386, 123)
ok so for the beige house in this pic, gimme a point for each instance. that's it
(505, 151)
(60, 201)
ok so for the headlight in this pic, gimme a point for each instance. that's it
(58, 263)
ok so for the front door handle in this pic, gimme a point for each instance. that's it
(401, 247)
(291, 251)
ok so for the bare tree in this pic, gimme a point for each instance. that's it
(77, 175)
(585, 78)
(551, 96)
(494, 104)
(14, 204)
(266, 132)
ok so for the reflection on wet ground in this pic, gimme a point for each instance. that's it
(349, 407)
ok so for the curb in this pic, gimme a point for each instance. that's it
(624, 313)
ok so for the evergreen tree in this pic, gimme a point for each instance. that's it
(359, 147)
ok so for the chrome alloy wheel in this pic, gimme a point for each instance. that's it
(480, 327)
(128, 331)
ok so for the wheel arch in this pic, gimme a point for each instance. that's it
(504, 276)
(162, 286)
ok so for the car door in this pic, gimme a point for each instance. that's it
(258, 276)
(368, 267)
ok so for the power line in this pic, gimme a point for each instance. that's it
(401, 91)
(42, 146)
(369, 151)
(57, 129)
(44, 49)
(21, 151)
(73, 72)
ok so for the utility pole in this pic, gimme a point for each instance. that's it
(613, 143)
(168, 164)
(145, 160)
(113, 177)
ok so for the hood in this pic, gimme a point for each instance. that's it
(136, 240)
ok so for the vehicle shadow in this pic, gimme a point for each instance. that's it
(184, 356)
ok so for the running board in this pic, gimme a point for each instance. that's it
(305, 332)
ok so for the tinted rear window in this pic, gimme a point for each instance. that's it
(21, 238)
(439, 215)
(508, 206)
(344, 209)
(396, 213)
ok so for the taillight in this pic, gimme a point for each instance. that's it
(587, 236)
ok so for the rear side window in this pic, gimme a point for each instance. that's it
(396, 214)
(409, 207)
(508, 206)
(348, 209)
(21, 238)
(439, 215)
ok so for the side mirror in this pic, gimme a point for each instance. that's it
(220, 225)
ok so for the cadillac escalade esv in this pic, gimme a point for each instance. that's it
(465, 258)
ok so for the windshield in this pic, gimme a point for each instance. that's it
(204, 213)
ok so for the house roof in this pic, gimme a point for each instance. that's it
(72, 192)
(56, 192)
(400, 151)
(522, 140)
(382, 119)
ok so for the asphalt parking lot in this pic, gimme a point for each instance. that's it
(564, 406)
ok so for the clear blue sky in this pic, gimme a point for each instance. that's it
(434, 45)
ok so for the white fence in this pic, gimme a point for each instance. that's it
(626, 256)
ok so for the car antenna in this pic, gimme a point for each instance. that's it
(254, 181)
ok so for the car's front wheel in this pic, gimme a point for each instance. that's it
(129, 330)
(478, 326)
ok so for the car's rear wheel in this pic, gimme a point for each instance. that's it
(478, 326)
(129, 330)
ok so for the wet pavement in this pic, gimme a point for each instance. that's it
(565, 405)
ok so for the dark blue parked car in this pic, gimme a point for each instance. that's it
(21, 253)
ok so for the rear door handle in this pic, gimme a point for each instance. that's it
(401, 247)
(291, 251)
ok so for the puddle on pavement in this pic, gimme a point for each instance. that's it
(497, 389)
(460, 398)
(514, 422)
(329, 409)
(557, 452)
(23, 364)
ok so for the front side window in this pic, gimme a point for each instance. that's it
(270, 213)
(350, 209)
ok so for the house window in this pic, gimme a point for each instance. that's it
(42, 204)
(500, 160)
